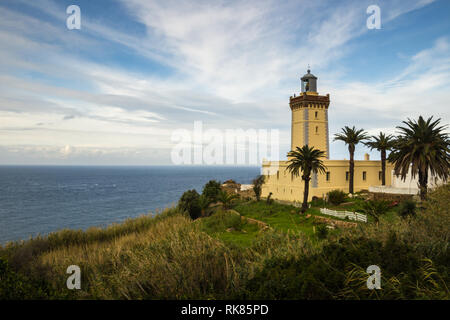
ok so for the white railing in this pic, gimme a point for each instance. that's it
(344, 214)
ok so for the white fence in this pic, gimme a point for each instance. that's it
(344, 214)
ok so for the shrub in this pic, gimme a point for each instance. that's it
(407, 208)
(330, 274)
(17, 286)
(322, 231)
(317, 202)
(211, 190)
(189, 202)
(221, 221)
(336, 197)
(374, 208)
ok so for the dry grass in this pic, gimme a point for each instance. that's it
(172, 259)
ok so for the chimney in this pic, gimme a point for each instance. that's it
(366, 157)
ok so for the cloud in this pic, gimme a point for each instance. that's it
(230, 64)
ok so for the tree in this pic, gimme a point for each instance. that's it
(189, 202)
(351, 137)
(257, 186)
(203, 203)
(423, 146)
(382, 143)
(306, 160)
(211, 190)
(226, 199)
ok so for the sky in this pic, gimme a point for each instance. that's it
(114, 91)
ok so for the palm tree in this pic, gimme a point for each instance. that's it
(382, 143)
(306, 160)
(203, 203)
(423, 146)
(351, 137)
(226, 198)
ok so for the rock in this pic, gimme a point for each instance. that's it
(230, 229)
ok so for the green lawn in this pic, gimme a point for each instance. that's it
(280, 217)
(229, 228)
(284, 218)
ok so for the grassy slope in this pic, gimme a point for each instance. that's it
(171, 256)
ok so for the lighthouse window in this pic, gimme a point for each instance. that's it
(317, 129)
(364, 175)
(315, 115)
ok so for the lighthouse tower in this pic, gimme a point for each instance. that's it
(310, 116)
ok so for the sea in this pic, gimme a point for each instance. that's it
(37, 200)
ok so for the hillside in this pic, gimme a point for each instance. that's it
(224, 256)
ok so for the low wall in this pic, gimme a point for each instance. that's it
(390, 196)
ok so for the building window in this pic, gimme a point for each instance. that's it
(328, 176)
(317, 129)
(316, 114)
(364, 175)
(347, 175)
(380, 175)
(278, 175)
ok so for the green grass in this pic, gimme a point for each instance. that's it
(242, 234)
(280, 217)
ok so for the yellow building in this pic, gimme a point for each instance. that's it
(310, 126)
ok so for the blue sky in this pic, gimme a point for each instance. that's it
(115, 91)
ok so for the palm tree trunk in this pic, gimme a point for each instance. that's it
(423, 184)
(305, 195)
(351, 171)
(383, 167)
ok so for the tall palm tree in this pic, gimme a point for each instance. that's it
(382, 143)
(351, 137)
(424, 146)
(306, 160)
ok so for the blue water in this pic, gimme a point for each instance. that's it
(41, 199)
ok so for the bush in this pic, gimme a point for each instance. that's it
(338, 272)
(322, 231)
(189, 202)
(211, 190)
(336, 197)
(407, 208)
(317, 202)
(16, 286)
(374, 208)
(221, 221)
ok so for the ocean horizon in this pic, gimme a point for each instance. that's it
(40, 199)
